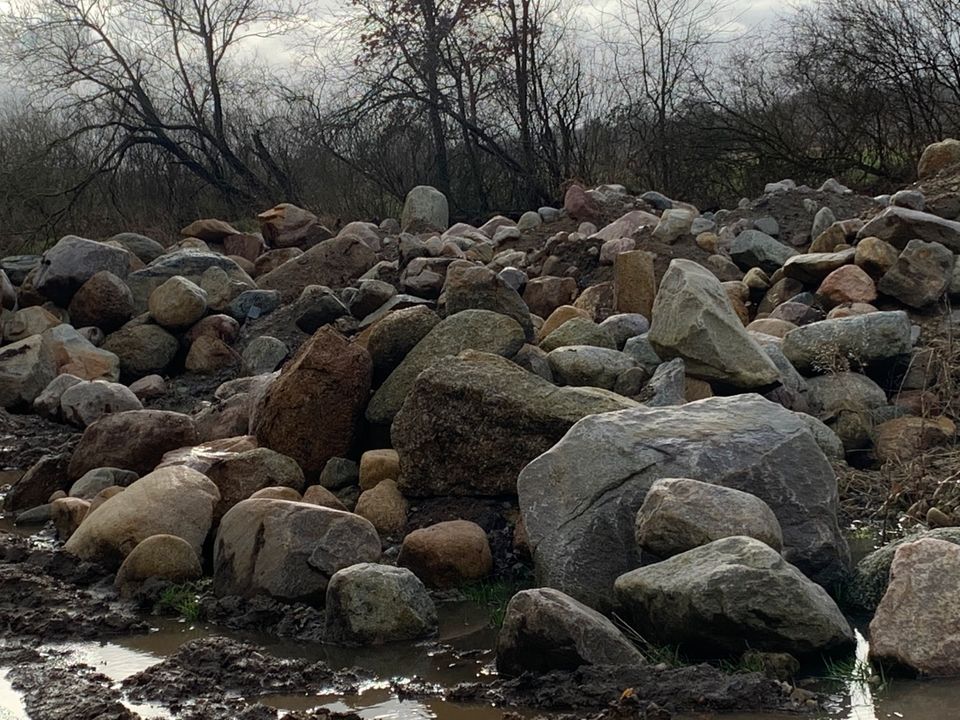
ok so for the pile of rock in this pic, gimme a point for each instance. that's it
(658, 393)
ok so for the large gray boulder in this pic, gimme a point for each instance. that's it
(424, 210)
(693, 319)
(480, 330)
(680, 514)
(829, 345)
(585, 365)
(545, 630)
(26, 369)
(733, 595)
(86, 402)
(899, 225)
(66, 266)
(579, 499)
(472, 422)
(169, 501)
(369, 604)
(288, 550)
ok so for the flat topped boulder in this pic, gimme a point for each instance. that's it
(580, 499)
(189, 264)
(333, 263)
(861, 339)
(480, 330)
(472, 422)
(693, 319)
(899, 225)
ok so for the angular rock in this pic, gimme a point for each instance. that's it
(693, 319)
(26, 369)
(76, 355)
(863, 339)
(47, 403)
(752, 248)
(634, 283)
(480, 330)
(474, 287)
(545, 630)
(580, 498)
(543, 295)
(177, 303)
(312, 411)
(472, 422)
(729, 596)
(27, 322)
(584, 365)
(169, 501)
(209, 230)
(921, 274)
(264, 354)
(898, 226)
(287, 225)
(288, 550)
(875, 256)
(848, 284)
(70, 263)
(333, 263)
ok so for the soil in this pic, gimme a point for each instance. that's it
(24, 439)
(48, 595)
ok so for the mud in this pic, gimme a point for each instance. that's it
(24, 439)
(49, 596)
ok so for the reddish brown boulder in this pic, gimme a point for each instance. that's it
(311, 412)
(103, 301)
(249, 247)
(579, 205)
(448, 554)
(847, 284)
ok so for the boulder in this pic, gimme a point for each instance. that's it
(95, 481)
(287, 225)
(68, 514)
(480, 330)
(76, 355)
(626, 226)
(26, 369)
(147, 436)
(103, 301)
(70, 263)
(845, 402)
(938, 156)
(45, 477)
(813, 267)
(188, 264)
(634, 282)
(578, 331)
(920, 276)
(239, 475)
(680, 514)
(580, 498)
(288, 550)
(545, 630)
(543, 295)
(862, 339)
(377, 466)
(916, 624)
(142, 349)
(264, 354)
(146, 249)
(311, 412)
(159, 557)
(177, 304)
(693, 319)
(385, 507)
(47, 403)
(752, 248)
(624, 326)
(847, 284)
(86, 402)
(396, 334)
(579, 205)
(899, 225)
(425, 210)
(447, 555)
(369, 604)
(149, 387)
(584, 365)
(474, 287)
(209, 230)
(907, 437)
(875, 256)
(169, 501)
(333, 263)
(729, 596)
(210, 355)
(471, 423)
(27, 322)
(559, 316)
(867, 583)
(673, 224)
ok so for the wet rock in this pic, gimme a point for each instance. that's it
(311, 412)
(921, 274)
(916, 623)
(142, 349)
(288, 550)
(480, 330)
(544, 630)
(693, 319)
(103, 301)
(863, 339)
(729, 596)
(160, 557)
(70, 263)
(370, 604)
(448, 554)
(147, 435)
(86, 402)
(171, 501)
(681, 514)
(469, 425)
(580, 498)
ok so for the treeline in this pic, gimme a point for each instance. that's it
(144, 114)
